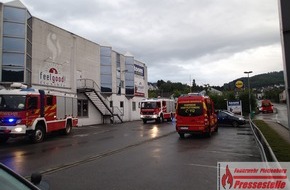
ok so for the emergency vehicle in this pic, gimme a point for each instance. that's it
(32, 112)
(195, 114)
(266, 106)
(157, 109)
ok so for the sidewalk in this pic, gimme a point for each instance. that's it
(282, 131)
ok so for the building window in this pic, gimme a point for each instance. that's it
(14, 14)
(106, 69)
(14, 29)
(16, 63)
(133, 106)
(83, 106)
(121, 104)
(118, 73)
(111, 104)
(129, 76)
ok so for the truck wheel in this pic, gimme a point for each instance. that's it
(3, 139)
(158, 120)
(38, 134)
(181, 135)
(208, 133)
(171, 116)
(144, 121)
(68, 129)
(216, 129)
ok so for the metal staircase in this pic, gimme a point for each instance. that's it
(92, 91)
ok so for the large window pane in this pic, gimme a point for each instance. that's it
(106, 87)
(13, 44)
(129, 61)
(105, 60)
(106, 70)
(130, 68)
(129, 76)
(13, 59)
(14, 14)
(12, 74)
(14, 29)
(106, 79)
(129, 91)
(106, 51)
(129, 83)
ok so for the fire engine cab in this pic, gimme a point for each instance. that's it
(32, 112)
(157, 109)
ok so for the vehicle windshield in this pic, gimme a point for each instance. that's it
(190, 109)
(8, 182)
(150, 104)
(266, 104)
(230, 113)
(12, 102)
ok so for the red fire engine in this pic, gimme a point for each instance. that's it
(157, 109)
(32, 112)
(195, 114)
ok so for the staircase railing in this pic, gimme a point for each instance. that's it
(87, 86)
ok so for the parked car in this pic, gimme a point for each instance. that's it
(10, 180)
(229, 118)
(266, 106)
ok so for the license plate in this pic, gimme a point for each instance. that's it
(183, 128)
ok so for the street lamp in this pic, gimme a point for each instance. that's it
(250, 106)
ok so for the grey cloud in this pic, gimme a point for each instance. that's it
(156, 32)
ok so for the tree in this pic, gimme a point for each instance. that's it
(244, 97)
(159, 83)
(152, 94)
(219, 101)
(273, 94)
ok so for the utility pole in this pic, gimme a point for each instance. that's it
(250, 105)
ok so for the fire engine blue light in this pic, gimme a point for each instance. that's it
(11, 120)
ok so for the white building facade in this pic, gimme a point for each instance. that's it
(109, 85)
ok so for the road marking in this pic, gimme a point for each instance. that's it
(99, 156)
(234, 153)
(95, 133)
(203, 166)
(81, 135)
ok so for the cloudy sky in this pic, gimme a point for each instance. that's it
(211, 41)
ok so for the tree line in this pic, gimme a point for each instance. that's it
(229, 92)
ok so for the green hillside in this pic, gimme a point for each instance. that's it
(262, 80)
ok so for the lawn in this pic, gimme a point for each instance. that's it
(280, 147)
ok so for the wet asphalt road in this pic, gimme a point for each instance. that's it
(131, 155)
